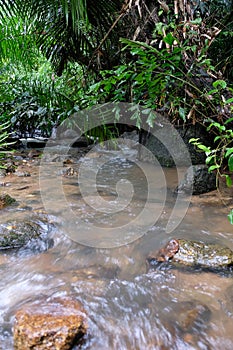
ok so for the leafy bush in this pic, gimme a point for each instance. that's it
(4, 144)
(220, 158)
(161, 80)
(36, 100)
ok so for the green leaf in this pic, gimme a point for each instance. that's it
(213, 91)
(229, 120)
(230, 162)
(230, 100)
(213, 167)
(151, 118)
(169, 39)
(194, 48)
(209, 159)
(193, 140)
(196, 21)
(230, 216)
(228, 181)
(182, 113)
(217, 138)
(204, 148)
(159, 27)
(216, 125)
(229, 134)
(228, 152)
(220, 84)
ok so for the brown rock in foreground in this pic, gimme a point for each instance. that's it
(57, 324)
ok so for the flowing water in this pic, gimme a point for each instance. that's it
(128, 306)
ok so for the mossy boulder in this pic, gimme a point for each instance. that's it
(6, 200)
(17, 234)
(193, 253)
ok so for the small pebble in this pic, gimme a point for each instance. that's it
(22, 173)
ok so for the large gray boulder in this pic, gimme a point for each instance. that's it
(197, 180)
(169, 143)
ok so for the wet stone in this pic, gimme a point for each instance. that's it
(6, 200)
(22, 173)
(197, 180)
(28, 233)
(186, 320)
(193, 253)
(67, 171)
(227, 303)
(191, 315)
(3, 172)
(56, 324)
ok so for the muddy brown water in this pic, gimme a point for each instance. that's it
(128, 307)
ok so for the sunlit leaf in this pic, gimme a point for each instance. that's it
(204, 148)
(220, 84)
(228, 152)
(230, 100)
(213, 167)
(229, 120)
(193, 140)
(209, 159)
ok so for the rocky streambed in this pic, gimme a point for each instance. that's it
(59, 294)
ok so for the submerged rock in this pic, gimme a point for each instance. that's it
(6, 200)
(57, 324)
(191, 314)
(193, 253)
(227, 302)
(16, 234)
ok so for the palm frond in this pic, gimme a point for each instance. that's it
(64, 30)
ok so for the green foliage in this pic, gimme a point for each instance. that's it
(161, 80)
(4, 144)
(220, 158)
(17, 42)
(34, 100)
(103, 133)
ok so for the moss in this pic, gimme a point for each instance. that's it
(6, 200)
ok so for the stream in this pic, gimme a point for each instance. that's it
(98, 257)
